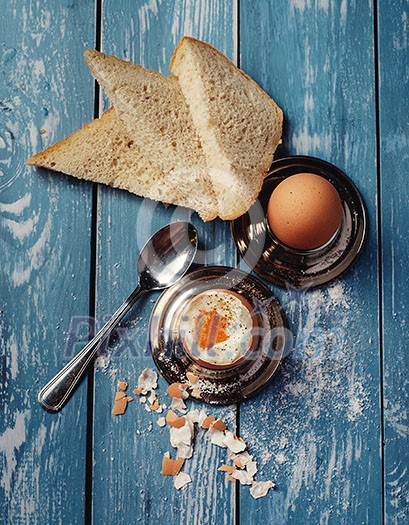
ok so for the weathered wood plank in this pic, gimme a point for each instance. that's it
(44, 252)
(128, 486)
(317, 427)
(394, 198)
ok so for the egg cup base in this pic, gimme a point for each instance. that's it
(301, 269)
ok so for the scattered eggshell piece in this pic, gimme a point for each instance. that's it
(182, 432)
(227, 468)
(178, 404)
(174, 420)
(155, 405)
(251, 468)
(161, 422)
(259, 489)
(217, 437)
(152, 397)
(196, 393)
(243, 458)
(171, 467)
(233, 443)
(192, 378)
(181, 439)
(243, 476)
(208, 421)
(238, 463)
(181, 480)
(218, 424)
(148, 380)
(178, 390)
(120, 404)
(193, 416)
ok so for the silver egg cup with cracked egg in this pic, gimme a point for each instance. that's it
(223, 326)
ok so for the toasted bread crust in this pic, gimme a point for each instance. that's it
(111, 150)
(202, 71)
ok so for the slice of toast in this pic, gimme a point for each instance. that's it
(239, 125)
(157, 118)
(102, 151)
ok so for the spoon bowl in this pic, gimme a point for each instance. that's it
(167, 255)
(163, 260)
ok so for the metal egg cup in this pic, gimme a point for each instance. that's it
(283, 266)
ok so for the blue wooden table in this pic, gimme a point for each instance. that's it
(332, 429)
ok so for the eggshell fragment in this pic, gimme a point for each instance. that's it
(181, 480)
(161, 422)
(178, 390)
(208, 421)
(218, 425)
(119, 396)
(259, 489)
(155, 405)
(196, 393)
(178, 404)
(233, 443)
(171, 467)
(241, 459)
(120, 404)
(227, 468)
(152, 397)
(251, 468)
(181, 439)
(147, 381)
(196, 416)
(174, 420)
(243, 476)
(238, 463)
(192, 378)
(217, 437)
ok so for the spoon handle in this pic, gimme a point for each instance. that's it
(53, 396)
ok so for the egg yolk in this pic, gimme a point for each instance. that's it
(211, 329)
(305, 211)
(216, 327)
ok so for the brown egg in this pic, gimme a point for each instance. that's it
(304, 211)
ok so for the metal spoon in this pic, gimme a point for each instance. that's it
(164, 259)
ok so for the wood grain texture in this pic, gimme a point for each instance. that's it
(44, 252)
(394, 198)
(128, 486)
(317, 427)
(316, 430)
